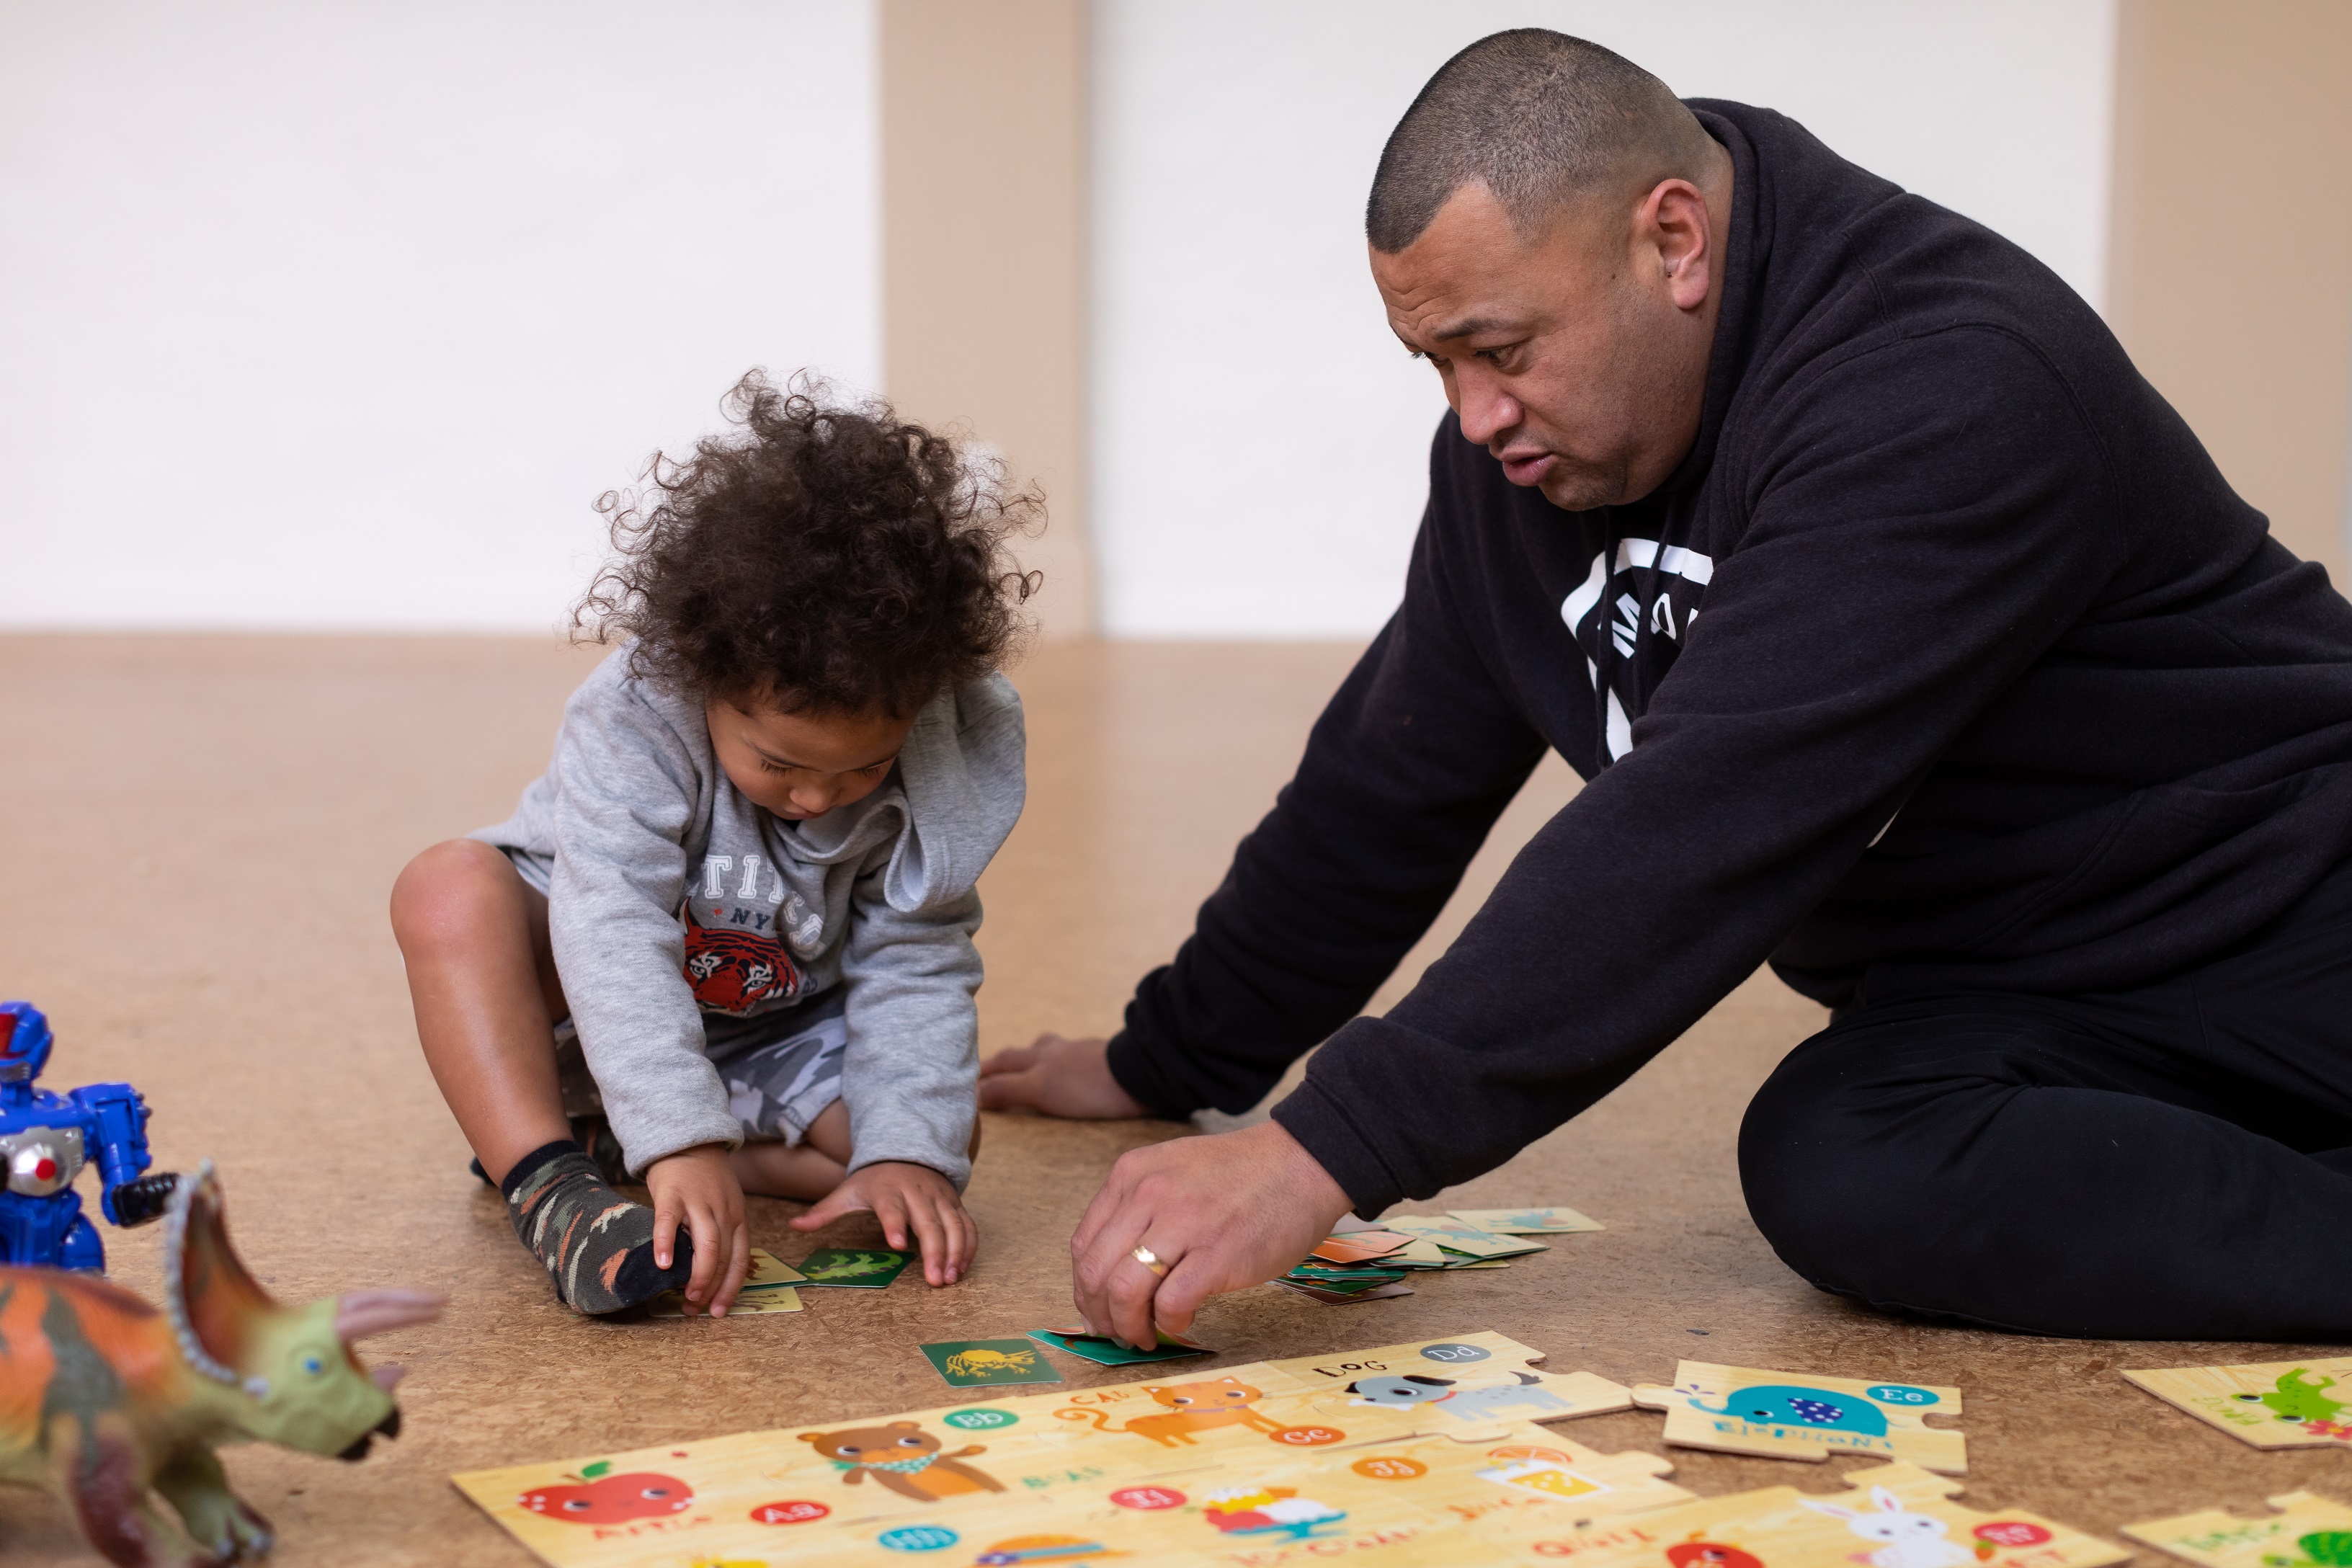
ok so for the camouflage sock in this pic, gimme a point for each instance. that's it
(594, 1134)
(598, 1246)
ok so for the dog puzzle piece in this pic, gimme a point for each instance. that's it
(1463, 1388)
(2271, 1405)
(1800, 1416)
(1892, 1516)
(2305, 1531)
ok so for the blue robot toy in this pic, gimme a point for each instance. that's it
(45, 1141)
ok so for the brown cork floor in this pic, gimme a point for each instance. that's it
(196, 838)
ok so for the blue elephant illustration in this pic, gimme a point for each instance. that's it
(1791, 1405)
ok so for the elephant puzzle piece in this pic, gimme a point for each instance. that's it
(1193, 1465)
(2305, 1531)
(2271, 1405)
(1798, 1415)
(1893, 1516)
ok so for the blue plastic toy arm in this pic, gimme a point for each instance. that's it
(119, 1121)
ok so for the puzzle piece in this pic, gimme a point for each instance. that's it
(2307, 1532)
(1894, 1516)
(1800, 1416)
(1067, 1471)
(1406, 1503)
(1455, 1236)
(767, 1288)
(1525, 1222)
(1460, 1386)
(2271, 1405)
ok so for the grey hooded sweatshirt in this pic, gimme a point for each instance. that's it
(671, 896)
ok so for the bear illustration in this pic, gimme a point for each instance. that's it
(904, 1457)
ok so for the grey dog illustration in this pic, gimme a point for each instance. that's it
(1444, 1393)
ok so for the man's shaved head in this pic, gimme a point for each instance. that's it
(1539, 119)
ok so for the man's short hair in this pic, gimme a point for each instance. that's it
(1539, 119)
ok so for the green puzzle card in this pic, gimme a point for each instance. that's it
(860, 1269)
(1110, 1353)
(985, 1364)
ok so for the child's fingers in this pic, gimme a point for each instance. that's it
(967, 1241)
(738, 1265)
(931, 1236)
(709, 1258)
(665, 1229)
(842, 1200)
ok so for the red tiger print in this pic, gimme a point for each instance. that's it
(733, 970)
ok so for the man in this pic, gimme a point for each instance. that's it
(1904, 637)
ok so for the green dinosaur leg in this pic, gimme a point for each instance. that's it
(97, 1475)
(223, 1522)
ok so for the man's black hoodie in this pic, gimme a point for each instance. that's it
(1946, 660)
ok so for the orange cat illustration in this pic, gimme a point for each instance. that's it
(1191, 1406)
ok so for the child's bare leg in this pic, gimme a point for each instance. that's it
(808, 1170)
(482, 977)
(805, 1170)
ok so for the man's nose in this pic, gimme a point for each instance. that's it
(1486, 410)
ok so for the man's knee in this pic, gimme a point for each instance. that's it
(1844, 1192)
(443, 898)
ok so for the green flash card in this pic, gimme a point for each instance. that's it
(985, 1364)
(860, 1270)
(1110, 1353)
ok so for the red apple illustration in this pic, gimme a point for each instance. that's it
(597, 1497)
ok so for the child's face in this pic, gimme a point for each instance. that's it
(801, 765)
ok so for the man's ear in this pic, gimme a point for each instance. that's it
(1674, 223)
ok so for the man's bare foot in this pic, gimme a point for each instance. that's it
(1056, 1077)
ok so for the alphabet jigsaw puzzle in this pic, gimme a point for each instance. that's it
(1800, 1416)
(2271, 1405)
(1893, 1516)
(1392, 1451)
(2304, 1532)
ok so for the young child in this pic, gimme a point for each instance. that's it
(725, 944)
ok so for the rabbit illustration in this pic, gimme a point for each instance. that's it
(1912, 1540)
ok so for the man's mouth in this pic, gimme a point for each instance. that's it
(1527, 466)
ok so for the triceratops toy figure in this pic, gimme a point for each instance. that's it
(104, 1399)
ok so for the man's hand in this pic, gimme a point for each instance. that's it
(1057, 1078)
(696, 1188)
(1223, 1212)
(906, 1196)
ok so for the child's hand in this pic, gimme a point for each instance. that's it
(696, 1188)
(906, 1196)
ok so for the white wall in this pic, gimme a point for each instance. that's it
(1260, 441)
(342, 314)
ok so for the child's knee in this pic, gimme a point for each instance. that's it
(446, 895)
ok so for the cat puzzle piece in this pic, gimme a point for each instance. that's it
(1463, 1388)
(1525, 1222)
(1892, 1516)
(2271, 1405)
(2306, 1532)
(1798, 1416)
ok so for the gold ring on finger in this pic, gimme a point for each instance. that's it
(1151, 1260)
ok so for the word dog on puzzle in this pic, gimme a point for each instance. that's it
(1416, 1456)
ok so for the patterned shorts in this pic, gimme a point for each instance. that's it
(780, 1069)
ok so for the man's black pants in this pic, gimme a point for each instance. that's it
(2169, 1163)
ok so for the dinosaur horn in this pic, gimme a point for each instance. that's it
(365, 1312)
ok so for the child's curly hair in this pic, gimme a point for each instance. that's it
(830, 558)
